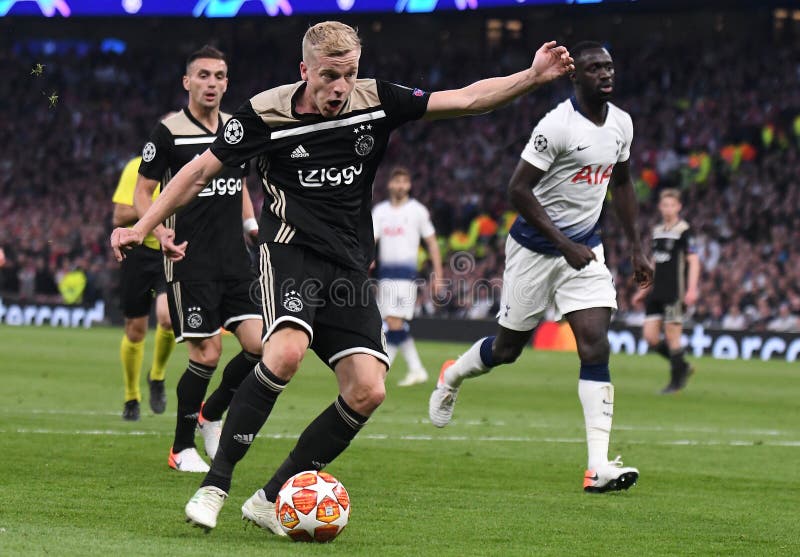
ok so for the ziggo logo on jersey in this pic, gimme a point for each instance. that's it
(329, 176)
(222, 186)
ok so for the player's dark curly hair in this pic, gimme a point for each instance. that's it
(576, 50)
(206, 51)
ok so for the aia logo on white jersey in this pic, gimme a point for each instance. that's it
(393, 230)
(593, 174)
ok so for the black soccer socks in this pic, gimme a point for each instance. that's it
(322, 441)
(191, 390)
(249, 409)
(233, 375)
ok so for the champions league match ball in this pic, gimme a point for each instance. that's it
(312, 507)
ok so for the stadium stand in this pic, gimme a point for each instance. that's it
(708, 120)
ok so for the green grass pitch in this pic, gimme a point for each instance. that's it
(719, 462)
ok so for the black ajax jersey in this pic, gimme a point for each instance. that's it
(318, 172)
(211, 222)
(670, 248)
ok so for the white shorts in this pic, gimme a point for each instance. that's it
(534, 281)
(397, 298)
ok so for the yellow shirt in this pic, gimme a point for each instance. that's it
(124, 194)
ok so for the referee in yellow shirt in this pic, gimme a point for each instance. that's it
(142, 280)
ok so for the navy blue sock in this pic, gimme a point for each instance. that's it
(396, 337)
(486, 352)
(595, 372)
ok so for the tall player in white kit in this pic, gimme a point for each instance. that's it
(554, 254)
(399, 224)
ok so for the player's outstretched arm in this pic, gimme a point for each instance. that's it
(550, 62)
(625, 205)
(249, 222)
(184, 186)
(692, 291)
(143, 195)
(435, 254)
(520, 193)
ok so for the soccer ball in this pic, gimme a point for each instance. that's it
(313, 507)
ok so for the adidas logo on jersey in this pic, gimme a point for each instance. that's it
(299, 152)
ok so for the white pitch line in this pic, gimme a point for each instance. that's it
(424, 438)
(470, 423)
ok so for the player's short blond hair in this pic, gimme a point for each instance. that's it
(329, 38)
(670, 192)
(398, 171)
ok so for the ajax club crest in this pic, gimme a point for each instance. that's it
(364, 142)
(292, 302)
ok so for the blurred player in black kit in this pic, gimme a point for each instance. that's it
(677, 272)
(207, 267)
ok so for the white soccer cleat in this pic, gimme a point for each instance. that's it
(413, 377)
(443, 399)
(261, 512)
(211, 432)
(204, 506)
(187, 460)
(611, 477)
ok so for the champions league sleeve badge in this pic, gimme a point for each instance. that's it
(234, 131)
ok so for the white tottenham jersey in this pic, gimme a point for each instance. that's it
(578, 157)
(399, 230)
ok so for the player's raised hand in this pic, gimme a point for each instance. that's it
(578, 255)
(124, 239)
(640, 295)
(642, 270)
(172, 251)
(552, 61)
(438, 287)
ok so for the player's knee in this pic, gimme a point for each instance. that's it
(135, 330)
(165, 323)
(288, 357)
(207, 359)
(251, 345)
(595, 349)
(651, 338)
(506, 354)
(366, 398)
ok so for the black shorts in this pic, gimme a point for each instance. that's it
(665, 311)
(199, 309)
(335, 305)
(141, 280)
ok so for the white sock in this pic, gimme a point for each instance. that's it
(597, 399)
(469, 364)
(391, 351)
(409, 350)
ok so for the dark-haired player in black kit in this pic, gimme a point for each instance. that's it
(677, 272)
(319, 143)
(207, 267)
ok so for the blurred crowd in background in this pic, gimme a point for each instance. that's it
(716, 122)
